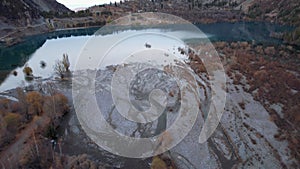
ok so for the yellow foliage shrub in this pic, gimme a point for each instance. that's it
(158, 163)
(27, 71)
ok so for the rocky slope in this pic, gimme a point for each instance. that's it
(19, 18)
(284, 11)
(27, 12)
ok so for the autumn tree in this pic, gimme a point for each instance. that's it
(23, 102)
(55, 106)
(66, 62)
(61, 67)
(12, 121)
(49, 105)
(6, 103)
(61, 102)
(158, 163)
(27, 70)
(3, 131)
(37, 154)
(35, 103)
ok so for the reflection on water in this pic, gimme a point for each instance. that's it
(244, 31)
(53, 49)
(50, 51)
(49, 47)
(16, 56)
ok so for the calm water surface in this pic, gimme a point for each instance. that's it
(50, 47)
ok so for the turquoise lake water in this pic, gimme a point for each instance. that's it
(51, 46)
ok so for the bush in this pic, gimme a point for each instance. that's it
(4, 104)
(27, 71)
(158, 163)
(12, 121)
(15, 107)
(61, 101)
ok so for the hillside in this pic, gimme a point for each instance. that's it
(28, 17)
(284, 11)
(19, 18)
(26, 12)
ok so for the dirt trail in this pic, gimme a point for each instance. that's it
(10, 156)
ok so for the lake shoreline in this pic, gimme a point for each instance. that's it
(257, 33)
(20, 34)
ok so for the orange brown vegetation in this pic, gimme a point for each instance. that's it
(12, 121)
(76, 162)
(36, 154)
(196, 63)
(158, 163)
(35, 102)
(162, 162)
(33, 108)
(273, 72)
